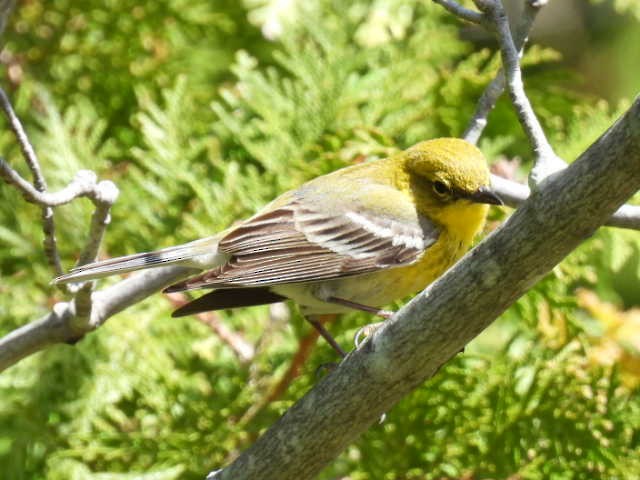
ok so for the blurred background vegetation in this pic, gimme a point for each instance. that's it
(201, 111)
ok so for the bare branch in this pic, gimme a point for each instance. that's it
(495, 19)
(48, 227)
(567, 208)
(494, 90)
(547, 162)
(460, 11)
(82, 185)
(511, 193)
(56, 327)
(627, 216)
(25, 145)
(486, 103)
(102, 194)
(515, 194)
(65, 325)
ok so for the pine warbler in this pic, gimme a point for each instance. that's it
(357, 238)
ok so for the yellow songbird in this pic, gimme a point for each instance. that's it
(358, 238)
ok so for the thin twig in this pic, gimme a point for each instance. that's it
(460, 11)
(25, 145)
(486, 103)
(48, 225)
(50, 242)
(82, 185)
(627, 216)
(513, 193)
(495, 19)
(546, 161)
(494, 90)
(103, 196)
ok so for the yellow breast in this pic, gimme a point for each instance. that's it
(383, 287)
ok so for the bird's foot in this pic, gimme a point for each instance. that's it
(363, 333)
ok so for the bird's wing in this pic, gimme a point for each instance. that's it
(308, 240)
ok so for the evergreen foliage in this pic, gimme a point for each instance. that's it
(200, 120)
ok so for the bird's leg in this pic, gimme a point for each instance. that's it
(367, 330)
(358, 306)
(317, 324)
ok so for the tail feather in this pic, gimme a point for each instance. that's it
(198, 254)
(231, 298)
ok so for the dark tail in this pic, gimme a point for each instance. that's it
(229, 298)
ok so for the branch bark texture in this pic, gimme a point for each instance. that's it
(566, 209)
(64, 324)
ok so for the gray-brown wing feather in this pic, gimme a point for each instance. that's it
(297, 243)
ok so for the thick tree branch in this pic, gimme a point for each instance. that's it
(566, 209)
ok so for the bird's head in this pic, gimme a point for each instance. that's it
(451, 182)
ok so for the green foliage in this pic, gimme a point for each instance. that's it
(200, 120)
(101, 49)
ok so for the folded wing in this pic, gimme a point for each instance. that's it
(301, 242)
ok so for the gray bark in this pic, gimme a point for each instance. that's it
(64, 325)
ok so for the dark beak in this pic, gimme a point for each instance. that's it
(484, 195)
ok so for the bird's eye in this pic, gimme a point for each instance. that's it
(440, 188)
